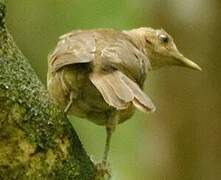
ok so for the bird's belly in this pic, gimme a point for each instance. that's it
(87, 102)
(91, 105)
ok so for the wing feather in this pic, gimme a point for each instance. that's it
(141, 100)
(119, 91)
(73, 48)
(109, 94)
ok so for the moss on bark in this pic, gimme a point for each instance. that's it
(36, 139)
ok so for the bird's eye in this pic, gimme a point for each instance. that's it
(164, 38)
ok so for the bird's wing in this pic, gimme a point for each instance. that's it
(74, 47)
(124, 56)
(119, 91)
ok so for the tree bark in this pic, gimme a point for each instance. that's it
(36, 139)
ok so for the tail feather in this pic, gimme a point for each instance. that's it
(141, 100)
(119, 91)
(107, 91)
(122, 91)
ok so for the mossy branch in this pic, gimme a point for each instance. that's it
(36, 139)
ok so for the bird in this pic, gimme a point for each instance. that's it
(99, 74)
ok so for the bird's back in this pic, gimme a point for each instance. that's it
(115, 50)
(102, 68)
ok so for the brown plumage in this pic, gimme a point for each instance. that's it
(99, 74)
(105, 62)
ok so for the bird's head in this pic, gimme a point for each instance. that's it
(161, 49)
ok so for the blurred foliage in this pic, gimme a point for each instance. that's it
(182, 139)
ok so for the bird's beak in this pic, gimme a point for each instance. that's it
(183, 61)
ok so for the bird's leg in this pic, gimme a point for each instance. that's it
(103, 167)
(109, 131)
(110, 127)
(69, 103)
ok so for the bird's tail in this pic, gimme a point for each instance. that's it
(120, 91)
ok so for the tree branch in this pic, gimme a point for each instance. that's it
(36, 140)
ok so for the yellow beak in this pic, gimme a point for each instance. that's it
(190, 64)
(183, 61)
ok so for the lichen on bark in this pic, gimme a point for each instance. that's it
(36, 139)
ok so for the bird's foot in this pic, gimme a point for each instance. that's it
(103, 171)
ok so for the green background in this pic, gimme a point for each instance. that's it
(182, 139)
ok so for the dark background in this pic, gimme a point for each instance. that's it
(182, 139)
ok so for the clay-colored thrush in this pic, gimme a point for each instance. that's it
(99, 74)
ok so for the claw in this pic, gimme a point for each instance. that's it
(103, 171)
